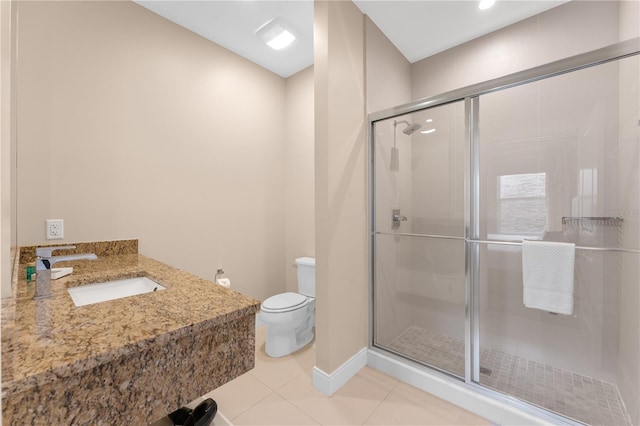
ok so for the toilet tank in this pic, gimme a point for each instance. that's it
(306, 267)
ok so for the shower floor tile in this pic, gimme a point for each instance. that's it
(573, 395)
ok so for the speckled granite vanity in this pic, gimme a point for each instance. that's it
(125, 361)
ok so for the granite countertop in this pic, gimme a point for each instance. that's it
(51, 338)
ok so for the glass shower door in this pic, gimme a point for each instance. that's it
(418, 236)
(559, 163)
(459, 189)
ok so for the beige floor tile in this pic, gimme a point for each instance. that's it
(273, 410)
(407, 405)
(369, 383)
(351, 405)
(276, 372)
(239, 395)
(279, 391)
(469, 419)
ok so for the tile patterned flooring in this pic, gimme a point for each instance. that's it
(278, 391)
(570, 394)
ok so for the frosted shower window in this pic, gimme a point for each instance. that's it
(522, 204)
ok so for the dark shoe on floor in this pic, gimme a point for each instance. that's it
(180, 416)
(203, 414)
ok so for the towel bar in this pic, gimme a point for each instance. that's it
(517, 243)
(505, 243)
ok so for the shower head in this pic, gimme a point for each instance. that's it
(411, 127)
(395, 155)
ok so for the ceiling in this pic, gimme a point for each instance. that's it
(417, 28)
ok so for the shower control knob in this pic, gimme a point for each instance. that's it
(396, 217)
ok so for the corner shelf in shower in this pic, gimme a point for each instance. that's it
(605, 221)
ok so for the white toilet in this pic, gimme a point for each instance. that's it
(290, 317)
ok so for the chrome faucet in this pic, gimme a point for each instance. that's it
(44, 261)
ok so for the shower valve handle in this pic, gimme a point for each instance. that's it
(396, 217)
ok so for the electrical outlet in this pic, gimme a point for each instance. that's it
(54, 229)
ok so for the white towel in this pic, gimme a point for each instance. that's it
(547, 275)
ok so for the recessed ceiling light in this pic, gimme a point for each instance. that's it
(429, 120)
(275, 34)
(486, 4)
(426, 132)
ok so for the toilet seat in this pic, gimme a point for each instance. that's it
(284, 302)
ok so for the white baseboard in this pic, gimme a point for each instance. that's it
(330, 383)
(460, 394)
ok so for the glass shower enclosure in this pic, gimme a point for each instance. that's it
(459, 181)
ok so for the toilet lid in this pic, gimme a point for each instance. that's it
(284, 302)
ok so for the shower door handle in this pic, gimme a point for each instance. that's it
(396, 218)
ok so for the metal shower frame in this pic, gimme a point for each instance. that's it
(470, 96)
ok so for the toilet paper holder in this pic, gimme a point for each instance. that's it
(224, 282)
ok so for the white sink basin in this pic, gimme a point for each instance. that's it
(110, 290)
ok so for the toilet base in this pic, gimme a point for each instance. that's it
(285, 341)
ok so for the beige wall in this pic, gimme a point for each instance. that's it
(341, 213)
(133, 127)
(566, 30)
(299, 171)
(6, 151)
(388, 84)
(388, 73)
